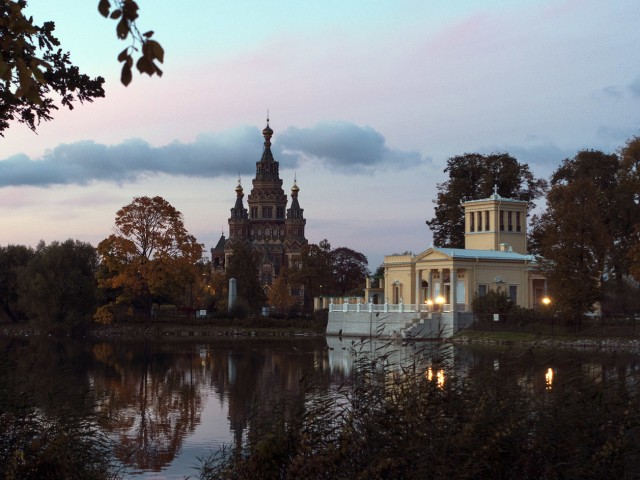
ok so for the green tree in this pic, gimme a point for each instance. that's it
(243, 266)
(150, 259)
(35, 72)
(578, 233)
(57, 288)
(473, 176)
(349, 268)
(12, 259)
(314, 271)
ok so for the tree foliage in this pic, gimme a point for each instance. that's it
(314, 270)
(57, 288)
(349, 268)
(151, 257)
(125, 13)
(280, 298)
(13, 258)
(243, 266)
(35, 72)
(585, 234)
(473, 176)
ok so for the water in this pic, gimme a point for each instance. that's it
(167, 403)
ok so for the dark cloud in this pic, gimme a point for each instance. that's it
(344, 146)
(212, 155)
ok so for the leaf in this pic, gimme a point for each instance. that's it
(122, 29)
(148, 34)
(103, 7)
(123, 55)
(116, 14)
(126, 76)
(156, 50)
(144, 66)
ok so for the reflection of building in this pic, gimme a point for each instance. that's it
(267, 225)
(495, 258)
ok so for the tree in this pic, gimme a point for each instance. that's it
(630, 213)
(243, 266)
(151, 257)
(279, 297)
(473, 176)
(578, 233)
(57, 288)
(314, 271)
(12, 259)
(126, 14)
(350, 268)
(33, 69)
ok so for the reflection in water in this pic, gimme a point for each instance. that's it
(548, 377)
(165, 403)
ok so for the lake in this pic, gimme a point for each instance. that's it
(167, 403)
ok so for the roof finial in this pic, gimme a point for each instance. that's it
(495, 189)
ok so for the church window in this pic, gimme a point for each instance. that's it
(518, 226)
(482, 290)
(502, 220)
(486, 220)
(259, 232)
(510, 221)
(280, 212)
(472, 222)
(479, 221)
(254, 212)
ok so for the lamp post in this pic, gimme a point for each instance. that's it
(440, 302)
(546, 301)
(429, 303)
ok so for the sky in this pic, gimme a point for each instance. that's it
(367, 99)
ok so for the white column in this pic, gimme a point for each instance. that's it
(453, 278)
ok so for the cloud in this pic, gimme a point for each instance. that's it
(342, 145)
(634, 87)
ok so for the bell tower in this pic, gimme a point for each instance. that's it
(495, 223)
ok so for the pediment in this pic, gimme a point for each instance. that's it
(431, 254)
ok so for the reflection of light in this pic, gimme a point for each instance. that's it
(439, 376)
(546, 301)
(548, 378)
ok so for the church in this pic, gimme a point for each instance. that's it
(266, 225)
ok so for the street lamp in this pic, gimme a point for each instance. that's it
(429, 303)
(440, 302)
(546, 301)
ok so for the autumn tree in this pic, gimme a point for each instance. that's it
(150, 258)
(349, 268)
(630, 213)
(35, 72)
(473, 176)
(57, 288)
(583, 236)
(280, 298)
(13, 258)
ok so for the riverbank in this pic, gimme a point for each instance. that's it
(535, 340)
(260, 327)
